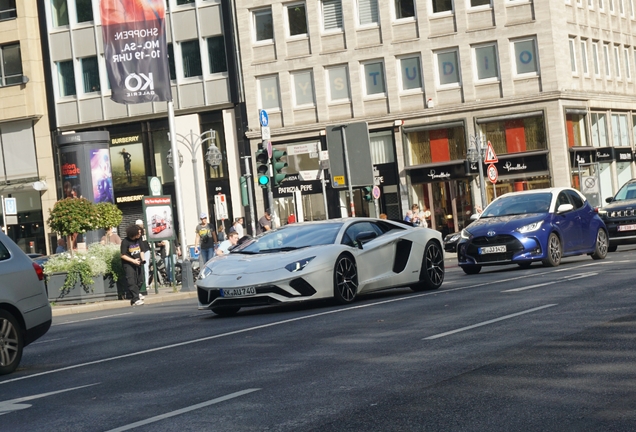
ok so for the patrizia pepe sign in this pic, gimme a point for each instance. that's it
(441, 175)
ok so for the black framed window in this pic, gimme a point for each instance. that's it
(216, 54)
(7, 9)
(173, 69)
(191, 55)
(84, 10)
(90, 74)
(10, 65)
(66, 78)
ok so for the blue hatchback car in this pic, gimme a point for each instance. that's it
(538, 225)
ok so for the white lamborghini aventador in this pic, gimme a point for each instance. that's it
(315, 260)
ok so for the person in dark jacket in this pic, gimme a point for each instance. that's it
(132, 261)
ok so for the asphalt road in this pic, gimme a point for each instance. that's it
(509, 349)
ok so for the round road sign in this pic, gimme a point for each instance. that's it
(375, 192)
(492, 173)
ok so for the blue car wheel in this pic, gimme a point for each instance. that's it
(555, 251)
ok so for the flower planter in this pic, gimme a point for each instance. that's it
(77, 294)
(111, 291)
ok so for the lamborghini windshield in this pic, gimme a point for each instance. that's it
(294, 236)
(519, 204)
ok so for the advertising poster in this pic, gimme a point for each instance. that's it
(101, 176)
(135, 50)
(71, 175)
(158, 218)
(127, 162)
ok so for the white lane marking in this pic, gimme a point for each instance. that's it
(16, 405)
(565, 279)
(440, 335)
(47, 341)
(91, 319)
(182, 410)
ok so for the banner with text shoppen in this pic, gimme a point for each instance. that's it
(135, 50)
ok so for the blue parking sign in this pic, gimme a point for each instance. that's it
(10, 206)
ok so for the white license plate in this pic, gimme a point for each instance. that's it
(627, 227)
(492, 249)
(238, 292)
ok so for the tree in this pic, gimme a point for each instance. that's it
(108, 215)
(73, 216)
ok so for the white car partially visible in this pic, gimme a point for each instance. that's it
(25, 312)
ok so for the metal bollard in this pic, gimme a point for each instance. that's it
(186, 276)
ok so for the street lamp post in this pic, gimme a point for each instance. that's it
(476, 153)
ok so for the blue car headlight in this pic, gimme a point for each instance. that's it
(299, 265)
(534, 226)
(465, 234)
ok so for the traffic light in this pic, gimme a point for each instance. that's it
(366, 193)
(262, 168)
(279, 165)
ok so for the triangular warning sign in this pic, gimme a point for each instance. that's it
(491, 156)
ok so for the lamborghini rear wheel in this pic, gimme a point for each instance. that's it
(345, 279)
(432, 271)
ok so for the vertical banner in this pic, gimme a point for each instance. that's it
(101, 176)
(135, 50)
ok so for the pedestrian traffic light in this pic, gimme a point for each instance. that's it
(366, 193)
(279, 165)
(262, 168)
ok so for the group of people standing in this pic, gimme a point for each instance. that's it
(416, 216)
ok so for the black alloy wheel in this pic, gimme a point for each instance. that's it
(555, 251)
(11, 343)
(345, 279)
(432, 271)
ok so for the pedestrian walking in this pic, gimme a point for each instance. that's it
(220, 233)
(145, 249)
(204, 240)
(110, 237)
(264, 223)
(132, 262)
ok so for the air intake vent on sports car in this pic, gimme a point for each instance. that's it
(303, 287)
(402, 253)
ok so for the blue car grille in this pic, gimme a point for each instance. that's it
(512, 247)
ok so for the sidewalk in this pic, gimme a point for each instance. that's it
(166, 294)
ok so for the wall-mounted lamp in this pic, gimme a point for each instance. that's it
(25, 79)
(397, 124)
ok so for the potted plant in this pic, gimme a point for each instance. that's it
(110, 255)
(76, 278)
(72, 216)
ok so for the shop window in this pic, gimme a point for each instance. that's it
(368, 12)
(216, 54)
(10, 65)
(84, 10)
(486, 62)
(59, 13)
(297, 19)
(331, 15)
(263, 25)
(66, 78)
(411, 73)
(191, 56)
(437, 145)
(161, 146)
(268, 89)
(620, 130)
(448, 68)
(442, 6)
(525, 57)
(374, 78)
(90, 74)
(575, 124)
(338, 78)
(516, 135)
(381, 144)
(404, 9)
(599, 130)
(7, 9)
(624, 172)
(303, 88)
(301, 162)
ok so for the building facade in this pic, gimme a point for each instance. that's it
(26, 159)
(204, 89)
(550, 84)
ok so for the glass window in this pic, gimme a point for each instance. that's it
(302, 161)
(182, 2)
(584, 57)
(66, 78)
(84, 10)
(381, 144)
(191, 56)
(331, 15)
(475, 3)
(448, 68)
(599, 130)
(7, 9)
(573, 56)
(437, 145)
(411, 73)
(442, 5)
(516, 135)
(59, 13)
(606, 55)
(486, 62)
(338, 83)
(628, 69)
(216, 54)
(368, 12)
(525, 57)
(374, 78)
(620, 130)
(10, 65)
(601, 5)
(617, 62)
(297, 19)
(404, 9)
(90, 74)
(575, 124)
(171, 64)
(268, 87)
(263, 25)
(304, 88)
(575, 198)
(597, 68)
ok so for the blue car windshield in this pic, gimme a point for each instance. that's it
(519, 204)
(627, 192)
(294, 236)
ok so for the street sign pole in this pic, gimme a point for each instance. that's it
(270, 194)
(4, 213)
(250, 200)
(352, 205)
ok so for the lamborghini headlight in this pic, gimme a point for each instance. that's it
(465, 234)
(530, 227)
(205, 272)
(299, 265)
